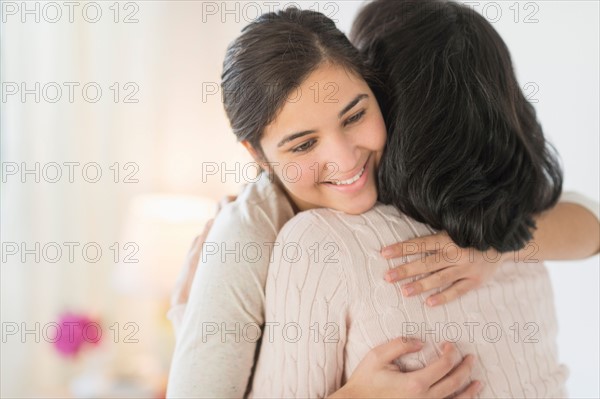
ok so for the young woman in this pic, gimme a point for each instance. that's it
(464, 153)
(218, 337)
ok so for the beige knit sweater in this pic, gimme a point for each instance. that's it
(327, 304)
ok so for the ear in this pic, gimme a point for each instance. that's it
(256, 155)
(253, 151)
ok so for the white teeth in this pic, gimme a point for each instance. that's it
(350, 180)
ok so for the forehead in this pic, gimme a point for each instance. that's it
(318, 100)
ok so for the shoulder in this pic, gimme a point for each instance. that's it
(259, 212)
(382, 225)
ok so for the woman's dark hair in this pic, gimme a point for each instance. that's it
(464, 152)
(272, 57)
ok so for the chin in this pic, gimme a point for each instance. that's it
(361, 206)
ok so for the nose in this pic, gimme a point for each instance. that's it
(344, 157)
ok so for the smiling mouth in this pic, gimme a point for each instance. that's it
(350, 180)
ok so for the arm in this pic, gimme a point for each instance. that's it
(570, 230)
(181, 291)
(212, 356)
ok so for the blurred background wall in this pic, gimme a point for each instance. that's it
(110, 116)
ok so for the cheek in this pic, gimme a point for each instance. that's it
(302, 174)
(298, 176)
(376, 135)
(381, 133)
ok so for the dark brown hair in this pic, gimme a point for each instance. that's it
(465, 152)
(272, 57)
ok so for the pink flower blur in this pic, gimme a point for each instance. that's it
(73, 331)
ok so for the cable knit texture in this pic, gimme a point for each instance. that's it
(327, 305)
(228, 295)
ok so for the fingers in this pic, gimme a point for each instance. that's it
(428, 264)
(195, 242)
(206, 230)
(198, 242)
(186, 275)
(386, 353)
(224, 201)
(456, 290)
(436, 280)
(471, 391)
(416, 246)
(455, 380)
(440, 367)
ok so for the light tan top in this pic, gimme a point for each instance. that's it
(210, 362)
(220, 326)
(329, 304)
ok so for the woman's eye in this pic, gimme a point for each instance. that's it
(354, 118)
(304, 146)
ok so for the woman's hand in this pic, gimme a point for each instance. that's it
(377, 377)
(463, 269)
(181, 291)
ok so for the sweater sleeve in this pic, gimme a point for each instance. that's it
(302, 352)
(214, 352)
(175, 315)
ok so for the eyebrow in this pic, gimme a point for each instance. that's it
(352, 103)
(347, 108)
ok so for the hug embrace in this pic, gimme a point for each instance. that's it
(406, 257)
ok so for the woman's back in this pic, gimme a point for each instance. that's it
(334, 296)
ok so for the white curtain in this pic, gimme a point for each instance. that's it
(167, 61)
(157, 139)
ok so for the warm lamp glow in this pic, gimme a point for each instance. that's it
(173, 208)
(157, 233)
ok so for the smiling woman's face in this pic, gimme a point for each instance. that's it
(326, 141)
